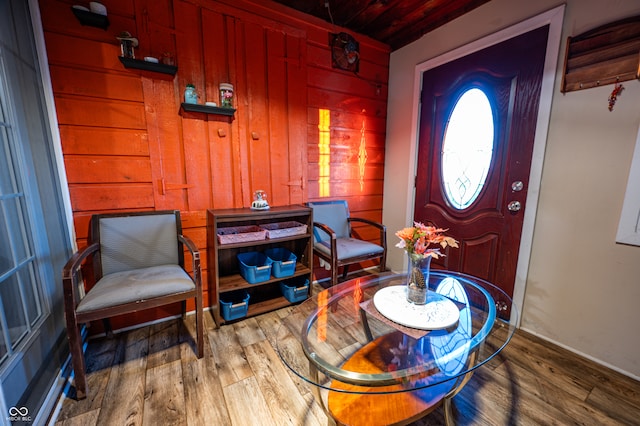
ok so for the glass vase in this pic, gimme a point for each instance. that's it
(418, 278)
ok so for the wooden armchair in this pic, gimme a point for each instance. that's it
(138, 263)
(334, 243)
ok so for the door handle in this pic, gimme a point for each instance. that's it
(514, 206)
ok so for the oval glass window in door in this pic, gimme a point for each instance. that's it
(467, 148)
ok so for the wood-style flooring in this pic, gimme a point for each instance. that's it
(150, 376)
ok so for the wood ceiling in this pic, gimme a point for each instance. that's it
(393, 22)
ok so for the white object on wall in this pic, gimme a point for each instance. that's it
(629, 226)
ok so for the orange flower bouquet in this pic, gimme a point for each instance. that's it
(422, 243)
(419, 239)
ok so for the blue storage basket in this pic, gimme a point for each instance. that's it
(294, 292)
(255, 267)
(284, 262)
(234, 305)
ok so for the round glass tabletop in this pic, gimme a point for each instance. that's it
(339, 340)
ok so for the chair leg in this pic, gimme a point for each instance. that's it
(77, 360)
(334, 276)
(107, 327)
(184, 309)
(345, 272)
(199, 327)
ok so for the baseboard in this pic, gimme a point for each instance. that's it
(59, 389)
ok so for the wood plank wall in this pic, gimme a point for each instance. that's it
(127, 146)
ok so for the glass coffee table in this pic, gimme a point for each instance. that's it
(394, 367)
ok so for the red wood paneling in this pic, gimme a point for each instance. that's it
(95, 169)
(103, 141)
(88, 197)
(224, 145)
(126, 145)
(82, 111)
(93, 83)
(166, 149)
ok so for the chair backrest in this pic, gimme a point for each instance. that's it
(334, 214)
(137, 240)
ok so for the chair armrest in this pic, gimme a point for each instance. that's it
(332, 238)
(368, 222)
(326, 229)
(70, 272)
(381, 227)
(76, 260)
(191, 246)
(195, 256)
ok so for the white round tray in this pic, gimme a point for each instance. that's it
(439, 312)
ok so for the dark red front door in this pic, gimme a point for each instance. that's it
(490, 226)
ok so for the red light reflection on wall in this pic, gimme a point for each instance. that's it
(362, 156)
(324, 152)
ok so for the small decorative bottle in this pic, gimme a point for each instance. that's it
(190, 95)
(226, 95)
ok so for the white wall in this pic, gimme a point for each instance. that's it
(582, 290)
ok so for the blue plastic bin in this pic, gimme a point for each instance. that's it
(255, 267)
(234, 305)
(295, 292)
(284, 262)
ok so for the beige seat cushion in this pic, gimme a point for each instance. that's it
(348, 248)
(138, 284)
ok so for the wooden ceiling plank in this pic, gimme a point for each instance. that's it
(410, 33)
(394, 22)
(396, 15)
(350, 13)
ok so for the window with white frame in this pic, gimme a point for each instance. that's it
(20, 302)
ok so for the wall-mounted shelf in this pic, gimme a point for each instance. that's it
(208, 109)
(148, 66)
(605, 55)
(91, 19)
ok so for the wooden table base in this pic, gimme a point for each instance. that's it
(357, 405)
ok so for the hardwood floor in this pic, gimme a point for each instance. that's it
(150, 376)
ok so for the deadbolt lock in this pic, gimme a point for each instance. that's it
(514, 206)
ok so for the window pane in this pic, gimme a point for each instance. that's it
(29, 293)
(13, 309)
(20, 303)
(467, 148)
(6, 259)
(3, 346)
(7, 181)
(14, 214)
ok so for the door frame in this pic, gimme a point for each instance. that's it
(554, 19)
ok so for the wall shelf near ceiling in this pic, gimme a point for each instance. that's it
(148, 66)
(604, 55)
(91, 19)
(208, 109)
